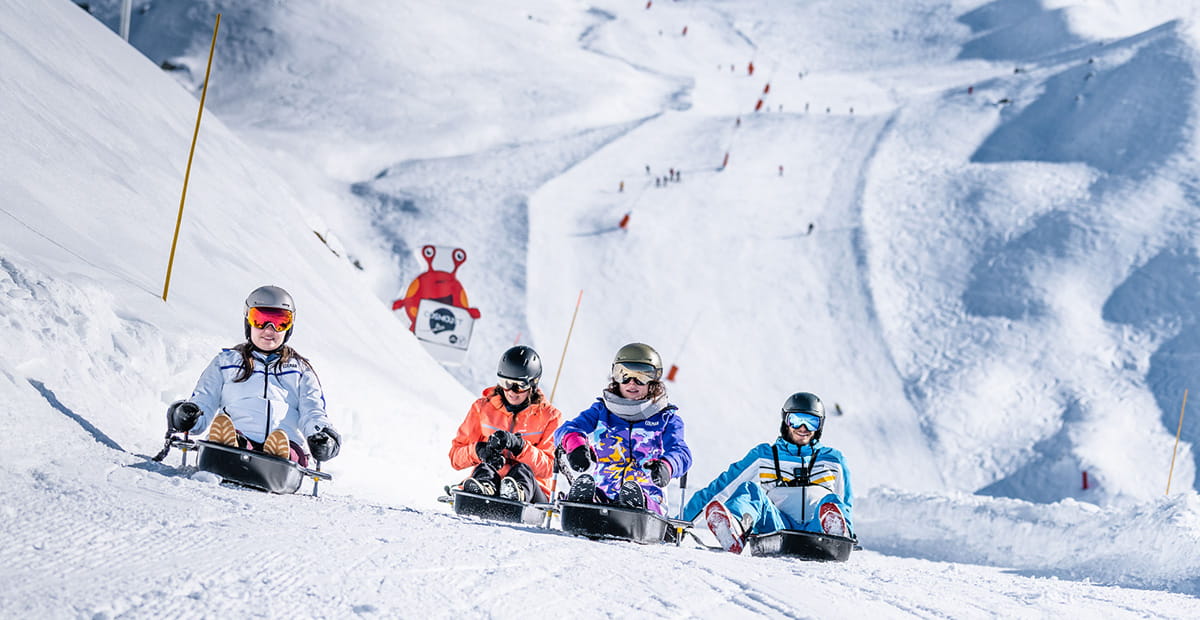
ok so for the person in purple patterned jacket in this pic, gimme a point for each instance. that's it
(625, 449)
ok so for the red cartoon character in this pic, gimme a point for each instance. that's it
(440, 286)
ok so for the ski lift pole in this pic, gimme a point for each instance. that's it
(1178, 430)
(563, 358)
(191, 153)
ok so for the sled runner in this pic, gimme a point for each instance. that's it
(493, 508)
(248, 467)
(603, 521)
(804, 545)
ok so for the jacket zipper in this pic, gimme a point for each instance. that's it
(266, 384)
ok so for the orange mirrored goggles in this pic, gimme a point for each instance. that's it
(260, 318)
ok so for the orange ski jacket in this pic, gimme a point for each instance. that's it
(536, 424)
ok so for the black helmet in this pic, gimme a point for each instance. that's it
(269, 297)
(520, 363)
(639, 357)
(802, 402)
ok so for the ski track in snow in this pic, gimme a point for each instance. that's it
(156, 542)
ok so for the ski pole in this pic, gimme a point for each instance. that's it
(567, 343)
(192, 152)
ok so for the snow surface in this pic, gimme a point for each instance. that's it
(998, 291)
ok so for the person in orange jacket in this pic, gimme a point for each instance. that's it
(508, 436)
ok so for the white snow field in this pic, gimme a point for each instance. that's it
(970, 225)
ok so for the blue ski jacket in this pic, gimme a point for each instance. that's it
(620, 442)
(827, 469)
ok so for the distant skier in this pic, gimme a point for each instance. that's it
(626, 448)
(508, 435)
(794, 483)
(261, 394)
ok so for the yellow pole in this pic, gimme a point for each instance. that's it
(188, 172)
(565, 344)
(557, 374)
(1177, 432)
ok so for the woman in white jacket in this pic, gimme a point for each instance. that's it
(261, 394)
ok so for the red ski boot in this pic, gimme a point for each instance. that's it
(832, 521)
(727, 529)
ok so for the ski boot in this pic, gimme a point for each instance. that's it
(583, 490)
(631, 495)
(832, 520)
(478, 487)
(511, 489)
(277, 444)
(730, 533)
(222, 431)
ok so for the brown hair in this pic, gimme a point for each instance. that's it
(286, 354)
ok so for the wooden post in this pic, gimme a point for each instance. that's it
(188, 171)
(1177, 432)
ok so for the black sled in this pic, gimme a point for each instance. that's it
(249, 468)
(615, 522)
(804, 545)
(493, 508)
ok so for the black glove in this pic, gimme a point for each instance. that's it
(488, 455)
(580, 459)
(182, 416)
(504, 440)
(325, 444)
(660, 472)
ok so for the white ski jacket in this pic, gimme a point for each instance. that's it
(286, 396)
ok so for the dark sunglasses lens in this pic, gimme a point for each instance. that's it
(514, 386)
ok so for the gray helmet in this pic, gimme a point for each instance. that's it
(520, 363)
(269, 297)
(802, 402)
(640, 356)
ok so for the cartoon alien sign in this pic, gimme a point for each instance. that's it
(440, 286)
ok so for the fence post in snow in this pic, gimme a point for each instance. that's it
(126, 15)
(1178, 430)
(188, 171)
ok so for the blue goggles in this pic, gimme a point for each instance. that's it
(796, 420)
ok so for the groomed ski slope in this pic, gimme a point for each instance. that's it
(977, 297)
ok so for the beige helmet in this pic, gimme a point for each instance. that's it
(638, 357)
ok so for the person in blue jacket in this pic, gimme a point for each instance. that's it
(625, 449)
(794, 483)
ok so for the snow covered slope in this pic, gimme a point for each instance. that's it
(976, 291)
